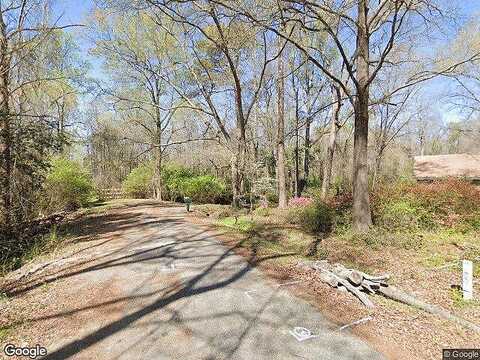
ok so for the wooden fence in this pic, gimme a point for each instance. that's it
(111, 194)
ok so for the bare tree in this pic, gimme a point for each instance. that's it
(335, 126)
(201, 19)
(281, 176)
(392, 119)
(380, 26)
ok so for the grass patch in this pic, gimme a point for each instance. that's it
(459, 302)
(301, 243)
(268, 240)
(272, 245)
(215, 211)
(100, 207)
(378, 238)
(5, 331)
(241, 223)
(447, 237)
(436, 260)
(449, 247)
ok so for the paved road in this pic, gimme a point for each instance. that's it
(179, 294)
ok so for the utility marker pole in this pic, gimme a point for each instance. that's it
(467, 284)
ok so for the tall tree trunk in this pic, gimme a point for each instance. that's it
(307, 143)
(376, 170)
(235, 181)
(332, 141)
(157, 173)
(379, 157)
(306, 155)
(362, 219)
(157, 186)
(422, 142)
(281, 174)
(238, 161)
(297, 141)
(5, 134)
(237, 166)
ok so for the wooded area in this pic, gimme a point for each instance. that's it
(228, 101)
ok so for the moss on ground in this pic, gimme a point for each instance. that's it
(5, 331)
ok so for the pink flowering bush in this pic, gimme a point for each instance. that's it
(263, 203)
(300, 202)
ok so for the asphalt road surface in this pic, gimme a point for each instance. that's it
(173, 291)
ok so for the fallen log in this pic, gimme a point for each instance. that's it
(335, 281)
(393, 293)
(361, 285)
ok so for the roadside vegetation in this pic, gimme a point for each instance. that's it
(67, 187)
(407, 215)
(177, 182)
(418, 228)
(421, 232)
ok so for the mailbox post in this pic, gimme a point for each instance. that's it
(187, 202)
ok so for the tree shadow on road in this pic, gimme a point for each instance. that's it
(183, 242)
(189, 289)
(182, 247)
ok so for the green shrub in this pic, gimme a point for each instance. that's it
(203, 189)
(68, 185)
(177, 182)
(272, 198)
(315, 218)
(448, 203)
(262, 211)
(404, 213)
(138, 184)
(174, 178)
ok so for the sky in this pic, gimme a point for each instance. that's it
(75, 12)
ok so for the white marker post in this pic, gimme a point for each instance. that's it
(467, 285)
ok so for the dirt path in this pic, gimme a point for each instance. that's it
(151, 286)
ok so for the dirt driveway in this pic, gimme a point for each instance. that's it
(149, 285)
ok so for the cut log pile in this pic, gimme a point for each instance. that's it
(362, 285)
